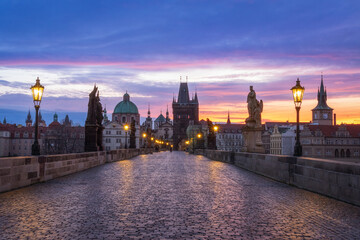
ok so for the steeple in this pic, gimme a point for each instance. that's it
(148, 110)
(28, 120)
(167, 114)
(67, 121)
(322, 113)
(228, 119)
(4, 121)
(106, 119)
(322, 96)
(196, 97)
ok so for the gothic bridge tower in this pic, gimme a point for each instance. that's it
(184, 111)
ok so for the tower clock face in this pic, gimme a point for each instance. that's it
(325, 115)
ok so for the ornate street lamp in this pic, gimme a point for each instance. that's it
(37, 92)
(126, 127)
(298, 93)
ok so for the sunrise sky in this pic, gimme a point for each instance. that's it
(145, 46)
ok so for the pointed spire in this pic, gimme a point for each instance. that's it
(167, 113)
(322, 96)
(148, 110)
(4, 121)
(322, 85)
(228, 119)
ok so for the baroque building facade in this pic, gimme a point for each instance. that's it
(229, 136)
(163, 128)
(114, 134)
(331, 142)
(184, 111)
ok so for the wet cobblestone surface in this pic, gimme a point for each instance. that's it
(172, 196)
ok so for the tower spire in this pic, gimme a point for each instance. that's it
(167, 113)
(228, 119)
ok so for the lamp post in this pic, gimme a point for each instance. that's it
(37, 92)
(144, 137)
(216, 129)
(298, 93)
(126, 127)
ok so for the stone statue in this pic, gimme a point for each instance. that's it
(252, 130)
(255, 108)
(93, 124)
(91, 116)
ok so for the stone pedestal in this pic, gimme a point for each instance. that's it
(91, 137)
(252, 138)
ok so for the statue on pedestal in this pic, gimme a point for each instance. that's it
(93, 124)
(252, 130)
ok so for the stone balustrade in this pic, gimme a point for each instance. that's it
(18, 172)
(340, 180)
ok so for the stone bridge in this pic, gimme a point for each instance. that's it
(172, 196)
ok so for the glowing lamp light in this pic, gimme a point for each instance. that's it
(152, 139)
(216, 128)
(126, 127)
(37, 92)
(298, 93)
(144, 135)
(199, 135)
(187, 142)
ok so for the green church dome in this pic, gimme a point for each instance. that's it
(126, 106)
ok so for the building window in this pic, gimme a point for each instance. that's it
(123, 119)
(118, 140)
(118, 132)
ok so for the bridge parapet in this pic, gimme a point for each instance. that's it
(18, 172)
(340, 180)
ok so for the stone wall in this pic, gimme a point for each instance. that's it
(18, 172)
(340, 180)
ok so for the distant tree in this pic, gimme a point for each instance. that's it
(132, 135)
(212, 136)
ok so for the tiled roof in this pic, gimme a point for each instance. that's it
(330, 130)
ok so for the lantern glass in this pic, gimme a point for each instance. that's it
(37, 92)
(298, 93)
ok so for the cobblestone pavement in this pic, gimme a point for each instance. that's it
(172, 196)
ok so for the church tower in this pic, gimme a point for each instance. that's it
(28, 120)
(184, 111)
(148, 121)
(322, 113)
